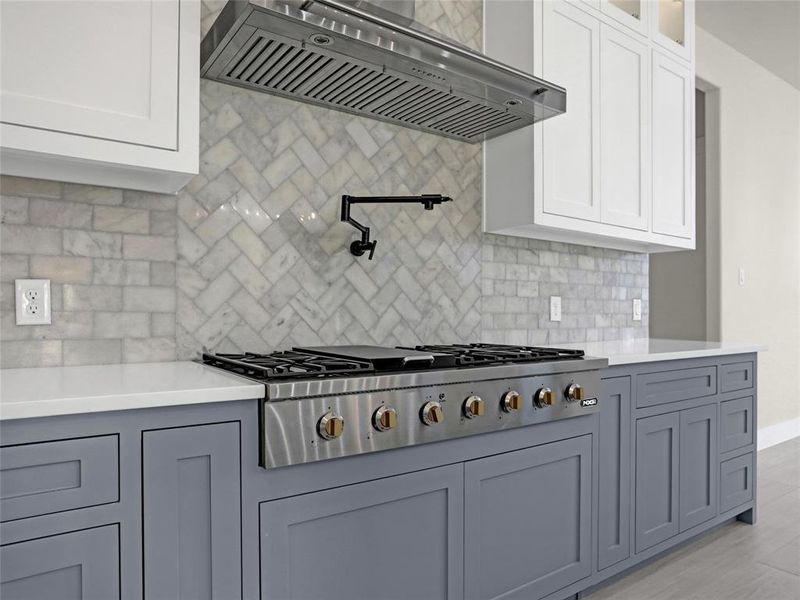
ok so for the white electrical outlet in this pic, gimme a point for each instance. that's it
(637, 309)
(555, 308)
(741, 275)
(33, 301)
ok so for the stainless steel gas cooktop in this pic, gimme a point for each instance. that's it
(326, 402)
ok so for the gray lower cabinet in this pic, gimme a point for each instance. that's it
(614, 472)
(191, 512)
(657, 493)
(528, 520)
(395, 538)
(736, 481)
(80, 565)
(698, 465)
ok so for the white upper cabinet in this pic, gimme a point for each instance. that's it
(571, 55)
(672, 26)
(633, 13)
(103, 93)
(625, 114)
(616, 170)
(673, 154)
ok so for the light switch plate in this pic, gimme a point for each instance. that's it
(637, 309)
(33, 301)
(555, 308)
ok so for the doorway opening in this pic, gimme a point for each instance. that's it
(684, 301)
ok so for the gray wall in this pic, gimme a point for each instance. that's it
(251, 254)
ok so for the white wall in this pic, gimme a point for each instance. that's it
(759, 192)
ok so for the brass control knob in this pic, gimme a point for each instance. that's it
(543, 397)
(511, 401)
(473, 407)
(330, 426)
(573, 392)
(432, 413)
(385, 418)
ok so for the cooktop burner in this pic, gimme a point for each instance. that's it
(287, 365)
(486, 354)
(343, 361)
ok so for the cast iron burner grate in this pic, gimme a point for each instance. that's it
(286, 365)
(486, 354)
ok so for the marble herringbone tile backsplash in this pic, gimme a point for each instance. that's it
(251, 254)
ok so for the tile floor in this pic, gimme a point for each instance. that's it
(738, 561)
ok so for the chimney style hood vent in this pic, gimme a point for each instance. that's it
(372, 59)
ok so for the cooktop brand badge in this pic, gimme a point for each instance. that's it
(588, 402)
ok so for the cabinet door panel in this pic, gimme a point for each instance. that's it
(657, 459)
(625, 140)
(571, 142)
(673, 196)
(736, 485)
(191, 507)
(107, 70)
(82, 565)
(613, 523)
(399, 537)
(698, 481)
(518, 543)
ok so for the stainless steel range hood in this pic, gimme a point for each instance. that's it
(372, 59)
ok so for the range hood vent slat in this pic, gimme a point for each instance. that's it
(345, 59)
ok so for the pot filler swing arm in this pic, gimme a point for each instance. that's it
(359, 247)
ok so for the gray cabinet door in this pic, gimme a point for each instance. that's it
(614, 477)
(191, 506)
(657, 456)
(527, 520)
(698, 466)
(81, 565)
(399, 538)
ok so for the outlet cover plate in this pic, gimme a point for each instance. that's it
(555, 308)
(33, 301)
(637, 309)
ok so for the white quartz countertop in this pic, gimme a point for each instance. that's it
(50, 391)
(628, 352)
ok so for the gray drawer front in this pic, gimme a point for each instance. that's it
(47, 477)
(736, 423)
(674, 386)
(736, 482)
(81, 564)
(736, 376)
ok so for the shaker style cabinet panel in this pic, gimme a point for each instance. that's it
(698, 466)
(673, 148)
(191, 512)
(657, 499)
(615, 170)
(518, 543)
(400, 537)
(624, 160)
(571, 55)
(49, 477)
(82, 565)
(614, 472)
(108, 94)
(124, 96)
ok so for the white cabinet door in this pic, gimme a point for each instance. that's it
(672, 26)
(101, 69)
(673, 197)
(571, 142)
(624, 130)
(633, 13)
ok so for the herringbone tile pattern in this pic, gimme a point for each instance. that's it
(263, 261)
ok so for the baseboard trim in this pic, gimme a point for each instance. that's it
(779, 432)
